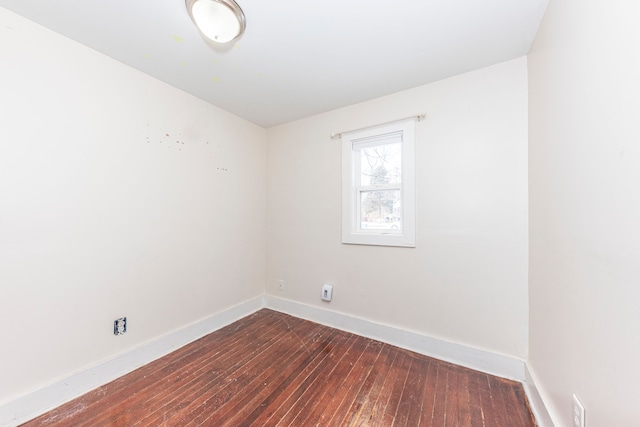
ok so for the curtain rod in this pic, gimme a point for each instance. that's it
(419, 117)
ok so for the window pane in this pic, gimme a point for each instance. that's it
(380, 210)
(381, 164)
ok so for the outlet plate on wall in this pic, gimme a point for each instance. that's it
(120, 326)
(327, 292)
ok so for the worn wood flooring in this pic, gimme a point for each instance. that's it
(271, 369)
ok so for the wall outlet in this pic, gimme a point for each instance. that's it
(281, 285)
(327, 292)
(120, 326)
(578, 412)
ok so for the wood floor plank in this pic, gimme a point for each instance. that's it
(247, 386)
(289, 395)
(266, 414)
(147, 376)
(451, 397)
(374, 410)
(486, 400)
(429, 395)
(378, 412)
(395, 393)
(414, 400)
(220, 405)
(332, 379)
(248, 410)
(350, 389)
(271, 369)
(177, 381)
(206, 397)
(371, 389)
(464, 410)
(475, 404)
(497, 400)
(516, 395)
(440, 396)
(176, 399)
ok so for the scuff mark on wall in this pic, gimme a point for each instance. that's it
(190, 142)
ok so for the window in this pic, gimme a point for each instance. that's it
(378, 185)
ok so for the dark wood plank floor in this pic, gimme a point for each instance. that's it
(271, 369)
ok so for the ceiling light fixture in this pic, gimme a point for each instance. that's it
(221, 21)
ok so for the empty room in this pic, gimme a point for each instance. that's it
(416, 213)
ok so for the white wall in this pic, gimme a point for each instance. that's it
(584, 163)
(103, 214)
(466, 281)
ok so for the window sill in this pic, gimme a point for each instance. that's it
(398, 240)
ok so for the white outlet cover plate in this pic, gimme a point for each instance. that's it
(327, 292)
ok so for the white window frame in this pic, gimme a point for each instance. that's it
(351, 190)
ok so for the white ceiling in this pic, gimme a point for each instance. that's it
(299, 58)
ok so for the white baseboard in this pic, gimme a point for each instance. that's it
(36, 403)
(535, 400)
(480, 360)
(31, 405)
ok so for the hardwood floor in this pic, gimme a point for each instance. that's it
(271, 369)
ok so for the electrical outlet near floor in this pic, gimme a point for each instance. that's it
(120, 326)
(327, 292)
(578, 412)
(281, 285)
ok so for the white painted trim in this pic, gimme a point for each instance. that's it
(480, 360)
(38, 402)
(536, 401)
(351, 234)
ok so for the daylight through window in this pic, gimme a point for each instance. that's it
(378, 185)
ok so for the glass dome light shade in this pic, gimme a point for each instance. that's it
(221, 21)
